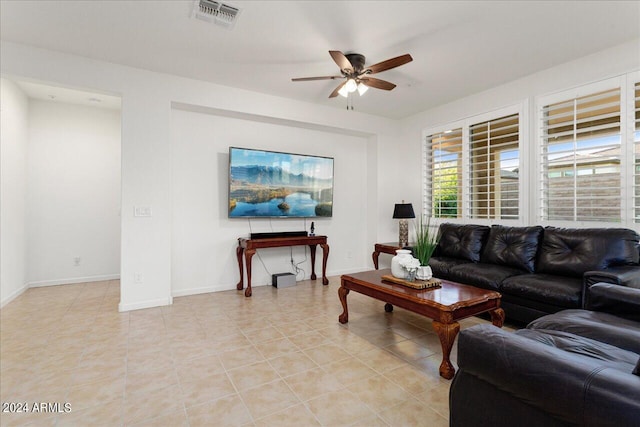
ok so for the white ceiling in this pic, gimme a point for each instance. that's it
(459, 47)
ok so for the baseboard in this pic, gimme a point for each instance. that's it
(202, 290)
(230, 287)
(145, 304)
(13, 296)
(74, 280)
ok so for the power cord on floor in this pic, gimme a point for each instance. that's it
(296, 265)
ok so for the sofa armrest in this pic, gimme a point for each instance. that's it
(624, 275)
(618, 300)
(573, 389)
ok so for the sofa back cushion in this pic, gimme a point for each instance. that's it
(571, 252)
(512, 246)
(461, 241)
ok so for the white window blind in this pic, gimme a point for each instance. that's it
(494, 169)
(636, 151)
(581, 145)
(444, 158)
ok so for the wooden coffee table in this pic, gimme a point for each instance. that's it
(445, 305)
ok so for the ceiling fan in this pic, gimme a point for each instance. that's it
(356, 75)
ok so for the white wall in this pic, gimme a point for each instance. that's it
(203, 257)
(14, 110)
(147, 97)
(73, 193)
(602, 65)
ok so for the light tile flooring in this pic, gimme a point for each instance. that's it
(279, 358)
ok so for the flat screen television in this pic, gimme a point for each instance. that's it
(274, 184)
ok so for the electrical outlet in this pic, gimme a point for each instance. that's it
(142, 211)
(76, 261)
(138, 278)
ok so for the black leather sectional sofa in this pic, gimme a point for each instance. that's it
(577, 367)
(538, 270)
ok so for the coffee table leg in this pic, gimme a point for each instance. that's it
(497, 317)
(342, 294)
(447, 333)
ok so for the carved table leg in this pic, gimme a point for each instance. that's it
(447, 333)
(497, 317)
(312, 249)
(342, 294)
(375, 255)
(239, 251)
(247, 259)
(325, 256)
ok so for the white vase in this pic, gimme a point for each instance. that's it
(396, 268)
(424, 273)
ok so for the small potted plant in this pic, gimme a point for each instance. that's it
(426, 241)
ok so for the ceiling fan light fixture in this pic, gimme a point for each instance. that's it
(351, 85)
(352, 68)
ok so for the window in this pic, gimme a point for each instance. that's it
(581, 152)
(582, 166)
(443, 174)
(472, 169)
(494, 169)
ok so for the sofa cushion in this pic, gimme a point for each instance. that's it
(611, 356)
(512, 246)
(555, 290)
(441, 266)
(571, 252)
(603, 327)
(486, 276)
(461, 241)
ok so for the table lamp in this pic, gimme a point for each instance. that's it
(403, 211)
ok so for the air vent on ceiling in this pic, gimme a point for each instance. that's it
(216, 12)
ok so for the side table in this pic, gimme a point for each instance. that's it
(385, 248)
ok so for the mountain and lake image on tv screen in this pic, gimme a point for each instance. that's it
(274, 184)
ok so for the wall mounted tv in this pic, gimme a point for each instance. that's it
(274, 184)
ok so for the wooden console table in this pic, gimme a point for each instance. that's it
(249, 246)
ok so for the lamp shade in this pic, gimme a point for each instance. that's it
(362, 88)
(403, 211)
(351, 85)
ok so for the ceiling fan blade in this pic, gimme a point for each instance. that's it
(341, 60)
(377, 83)
(388, 64)
(336, 90)
(308, 79)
